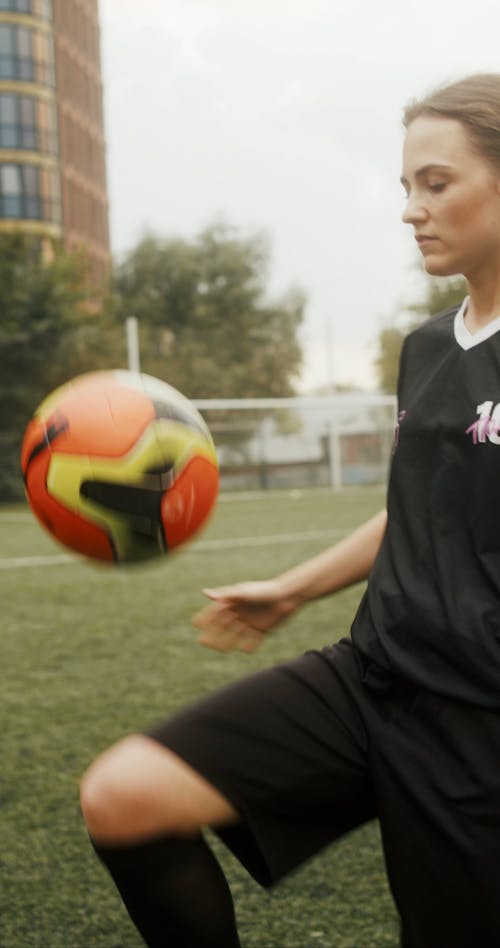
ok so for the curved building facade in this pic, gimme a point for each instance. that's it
(52, 147)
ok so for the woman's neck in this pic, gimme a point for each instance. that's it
(483, 305)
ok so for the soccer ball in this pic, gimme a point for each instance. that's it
(119, 466)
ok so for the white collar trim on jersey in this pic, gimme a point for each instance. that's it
(465, 338)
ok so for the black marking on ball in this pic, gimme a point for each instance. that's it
(52, 431)
(140, 503)
(176, 413)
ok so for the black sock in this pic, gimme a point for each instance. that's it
(175, 892)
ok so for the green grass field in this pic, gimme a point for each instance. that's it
(91, 653)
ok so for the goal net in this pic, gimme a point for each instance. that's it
(286, 443)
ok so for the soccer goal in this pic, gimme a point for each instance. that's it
(331, 441)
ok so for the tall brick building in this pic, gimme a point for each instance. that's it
(52, 147)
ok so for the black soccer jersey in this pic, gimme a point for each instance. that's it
(431, 612)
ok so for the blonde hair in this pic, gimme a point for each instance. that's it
(475, 102)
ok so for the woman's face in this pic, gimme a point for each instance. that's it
(453, 199)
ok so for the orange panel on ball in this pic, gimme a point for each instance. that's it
(100, 412)
(188, 502)
(66, 526)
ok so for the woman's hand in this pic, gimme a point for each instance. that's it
(240, 616)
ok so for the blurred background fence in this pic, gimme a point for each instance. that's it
(286, 443)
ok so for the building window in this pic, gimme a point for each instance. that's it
(27, 123)
(28, 192)
(11, 191)
(26, 55)
(40, 8)
(16, 6)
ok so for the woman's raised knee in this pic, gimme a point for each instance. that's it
(114, 793)
(138, 788)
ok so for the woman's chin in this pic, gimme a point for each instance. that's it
(436, 267)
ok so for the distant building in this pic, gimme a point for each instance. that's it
(52, 147)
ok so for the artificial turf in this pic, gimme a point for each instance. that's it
(89, 653)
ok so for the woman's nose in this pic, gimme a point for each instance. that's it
(414, 210)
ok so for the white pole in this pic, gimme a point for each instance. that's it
(133, 355)
(330, 367)
(335, 450)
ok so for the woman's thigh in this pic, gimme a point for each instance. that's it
(287, 747)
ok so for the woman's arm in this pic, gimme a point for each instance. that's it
(240, 615)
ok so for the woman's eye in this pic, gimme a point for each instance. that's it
(437, 187)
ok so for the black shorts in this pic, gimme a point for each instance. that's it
(312, 748)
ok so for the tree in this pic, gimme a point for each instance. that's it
(50, 331)
(439, 295)
(206, 325)
(390, 341)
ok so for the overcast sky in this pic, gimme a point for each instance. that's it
(283, 117)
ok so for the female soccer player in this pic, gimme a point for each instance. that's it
(401, 721)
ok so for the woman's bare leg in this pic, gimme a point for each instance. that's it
(145, 809)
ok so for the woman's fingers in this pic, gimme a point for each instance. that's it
(224, 631)
(238, 616)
